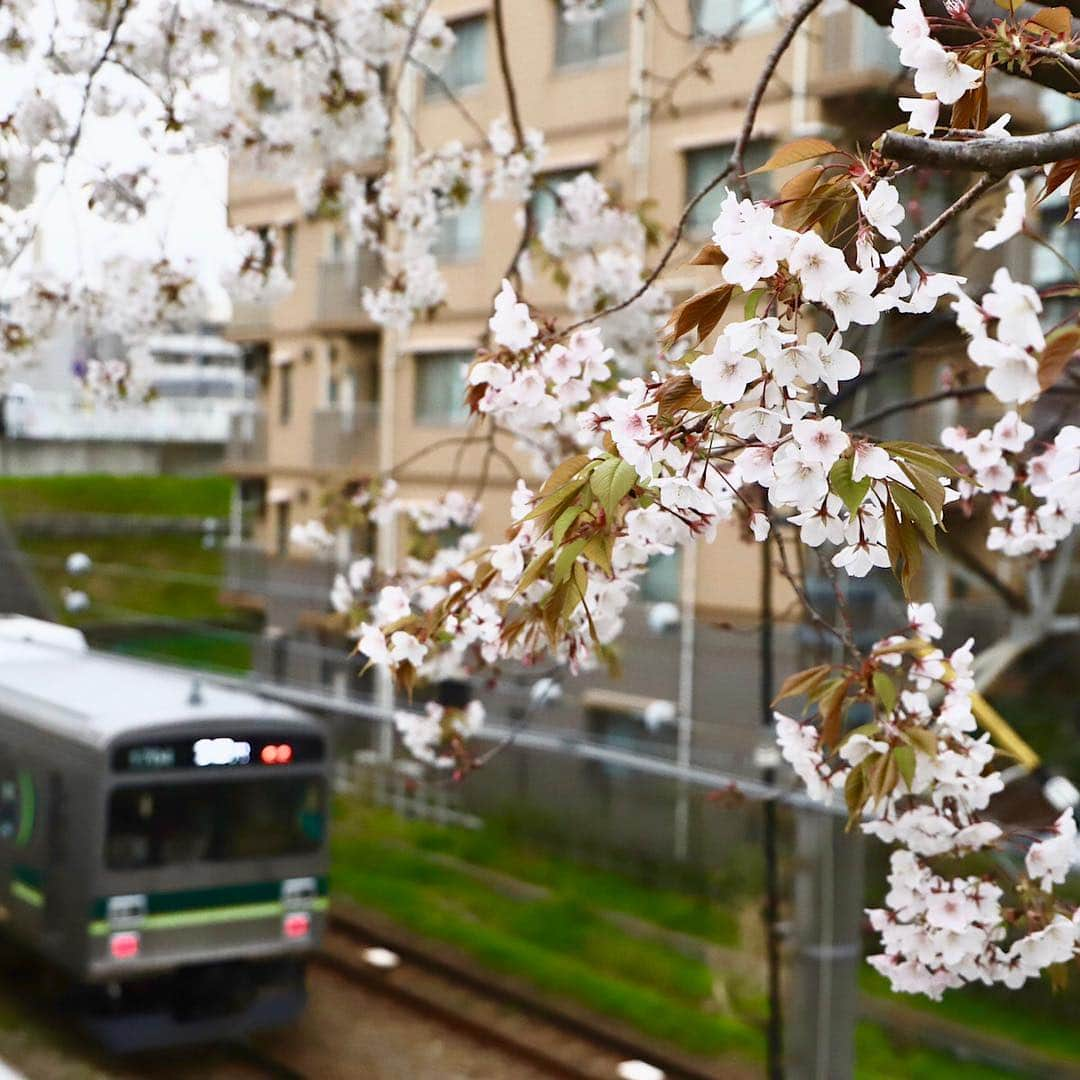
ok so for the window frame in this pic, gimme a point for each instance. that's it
(451, 419)
(441, 89)
(594, 27)
(697, 228)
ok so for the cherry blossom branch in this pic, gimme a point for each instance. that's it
(925, 235)
(519, 132)
(1069, 63)
(983, 14)
(953, 394)
(984, 155)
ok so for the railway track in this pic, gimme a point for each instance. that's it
(559, 1040)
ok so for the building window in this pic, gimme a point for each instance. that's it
(284, 393)
(461, 233)
(282, 528)
(660, 582)
(288, 248)
(714, 18)
(467, 64)
(924, 194)
(544, 197)
(592, 40)
(707, 162)
(439, 395)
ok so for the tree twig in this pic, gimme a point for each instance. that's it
(925, 235)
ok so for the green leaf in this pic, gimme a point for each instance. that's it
(915, 510)
(598, 551)
(566, 558)
(610, 481)
(802, 682)
(843, 486)
(855, 793)
(750, 306)
(885, 689)
(923, 456)
(905, 555)
(923, 740)
(564, 472)
(927, 485)
(533, 571)
(905, 762)
(564, 521)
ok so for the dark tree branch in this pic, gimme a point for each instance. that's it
(986, 13)
(985, 155)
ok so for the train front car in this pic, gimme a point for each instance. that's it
(211, 887)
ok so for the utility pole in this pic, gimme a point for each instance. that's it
(386, 541)
(828, 897)
(768, 758)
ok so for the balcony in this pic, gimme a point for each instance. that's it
(245, 449)
(339, 297)
(250, 319)
(346, 439)
(56, 416)
(855, 52)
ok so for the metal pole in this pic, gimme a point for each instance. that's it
(386, 539)
(771, 913)
(684, 748)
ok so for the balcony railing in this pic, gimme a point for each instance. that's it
(247, 439)
(852, 44)
(339, 299)
(346, 438)
(250, 318)
(63, 417)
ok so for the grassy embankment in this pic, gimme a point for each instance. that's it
(566, 942)
(158, 577)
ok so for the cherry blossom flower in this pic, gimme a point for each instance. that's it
(881, 208)
(924, 113)
(511, 324)
(940, 72)
(724, 374)
(1011, 220)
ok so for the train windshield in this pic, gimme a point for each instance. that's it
(162, 824)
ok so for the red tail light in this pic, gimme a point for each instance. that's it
(125, 945)
(296, 924)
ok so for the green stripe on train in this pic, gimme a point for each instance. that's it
(259, 892)
(27, 893)
(209, 916)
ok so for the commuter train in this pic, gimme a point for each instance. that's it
(162, 839)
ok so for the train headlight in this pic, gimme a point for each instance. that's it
(296, 924)
(124, 945)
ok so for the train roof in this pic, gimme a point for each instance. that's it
(51, 681)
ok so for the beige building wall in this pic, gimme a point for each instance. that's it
(837, 72)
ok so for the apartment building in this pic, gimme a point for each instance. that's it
(339, 398)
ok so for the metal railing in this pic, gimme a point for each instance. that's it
(250, 317)
(346, 438)
(339, 297)
(853, 44)
(60, 416)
